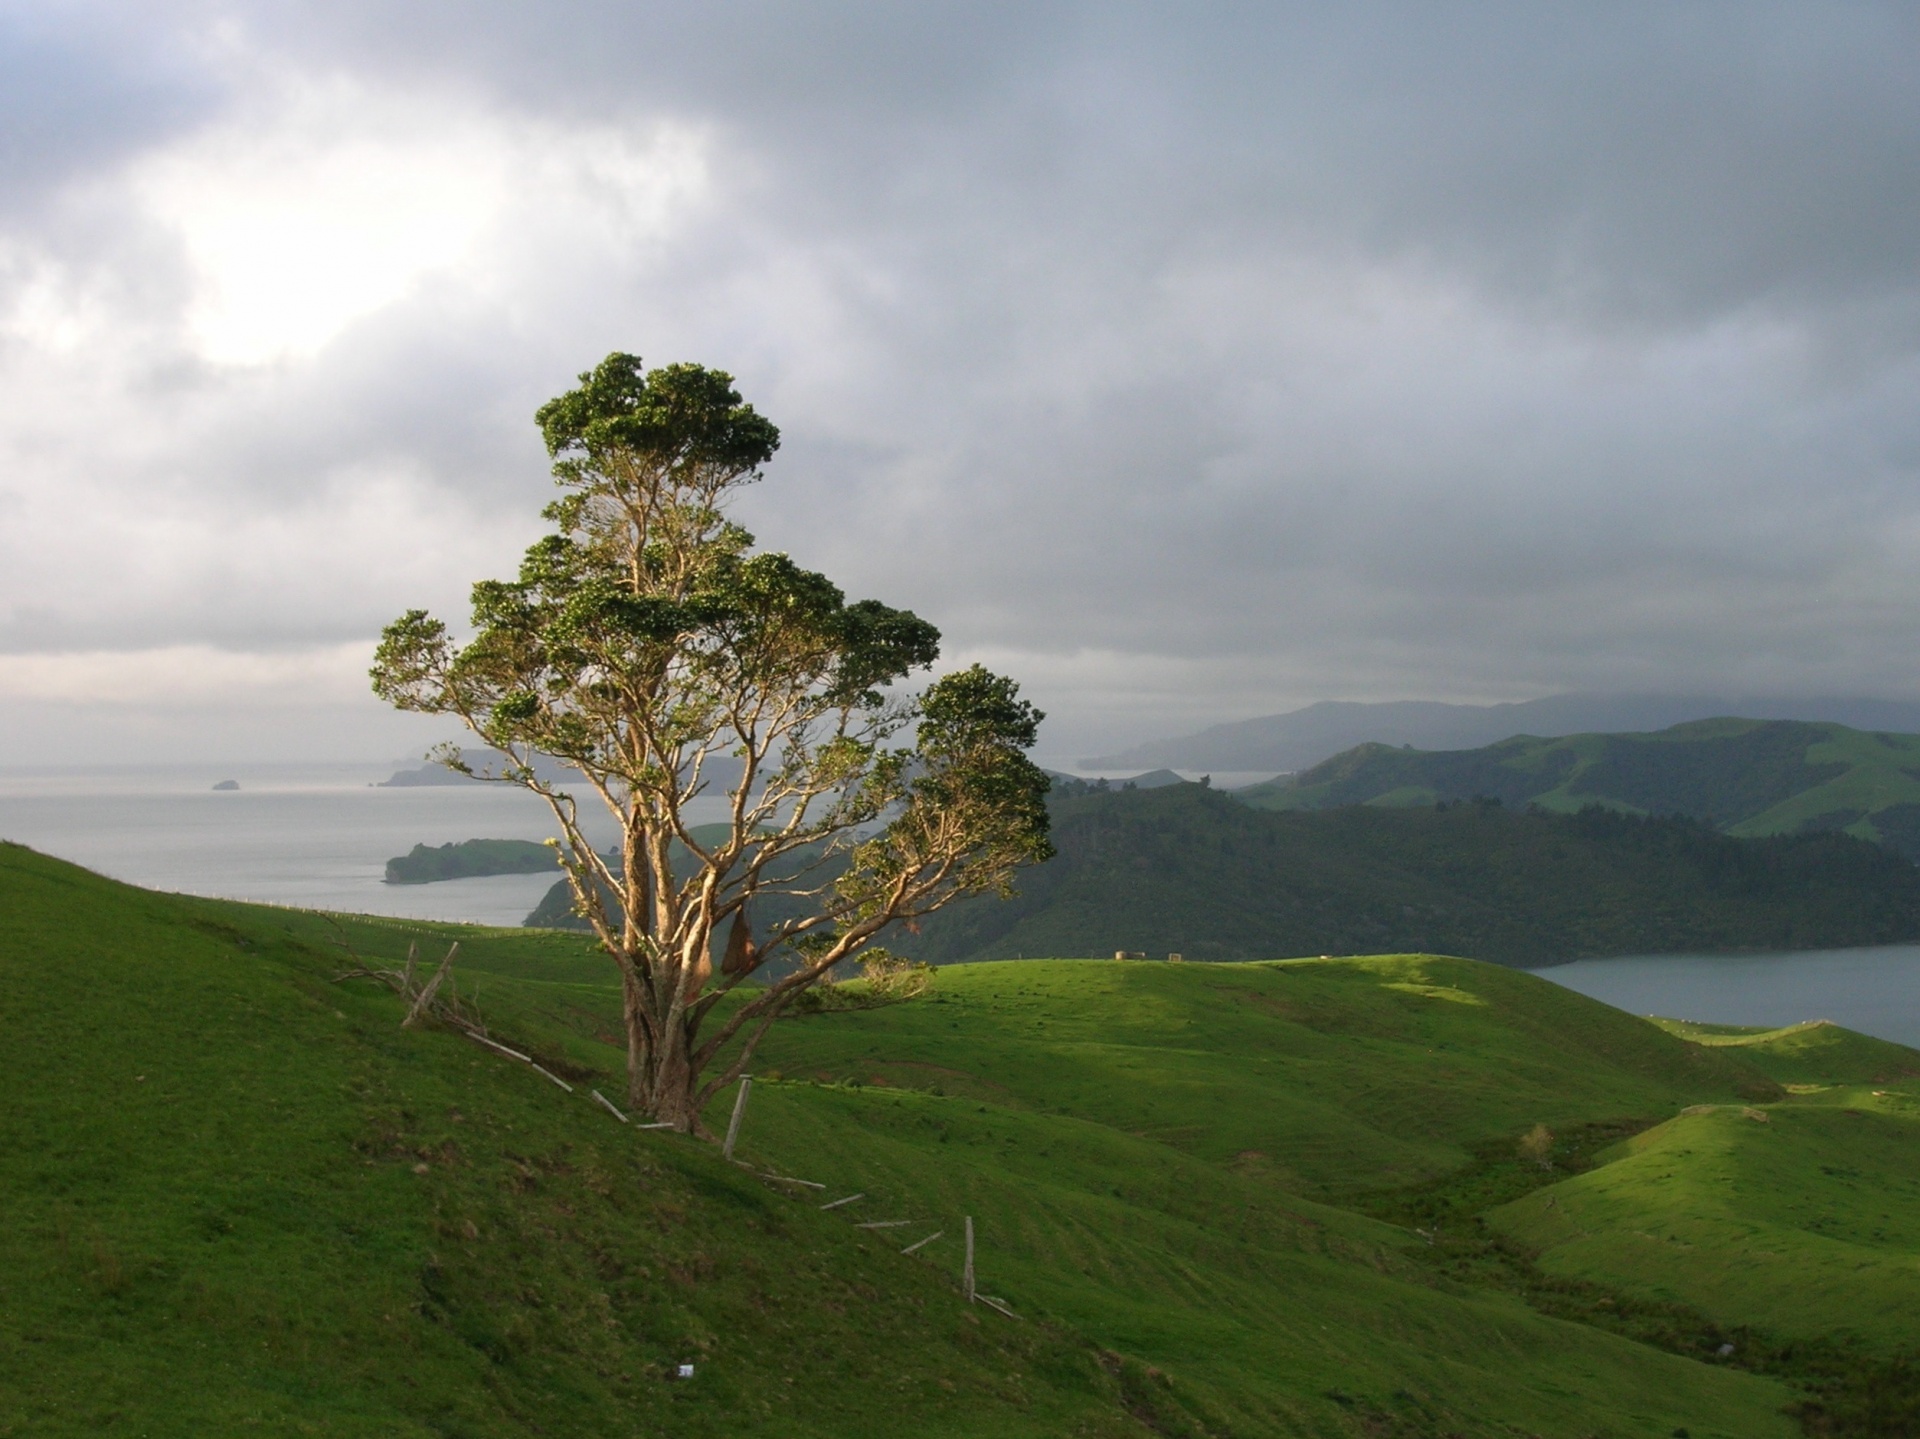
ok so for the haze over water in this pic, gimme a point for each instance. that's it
(316, 836)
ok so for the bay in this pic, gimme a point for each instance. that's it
(1874, 990)
(315, 836)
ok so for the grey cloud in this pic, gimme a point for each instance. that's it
(1280, 353)
(1644, 158)
(79, 92)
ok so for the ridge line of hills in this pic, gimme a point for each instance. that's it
(1749, 778)
(1302, 738)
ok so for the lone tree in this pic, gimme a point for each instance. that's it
(647, 646)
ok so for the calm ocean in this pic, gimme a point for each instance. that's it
(318, 836)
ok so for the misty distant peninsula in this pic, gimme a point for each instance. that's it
(469, 859)
(486, 764)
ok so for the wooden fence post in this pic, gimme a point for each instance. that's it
(966, 1275)
(739, 1110)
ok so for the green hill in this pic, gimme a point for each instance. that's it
(242, 1199)
(1808, 1214)
(1815, 1051)
(1187, 870)
(1748, 777)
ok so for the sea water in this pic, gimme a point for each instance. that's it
(316, 836)
(1874, 990)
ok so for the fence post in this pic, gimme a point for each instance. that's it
(739, 1110)
(966, 1277)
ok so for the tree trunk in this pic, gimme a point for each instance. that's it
(660, 1074)
(671, 1082)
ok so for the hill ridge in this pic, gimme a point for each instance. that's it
(1751, 778)
(1299, 739)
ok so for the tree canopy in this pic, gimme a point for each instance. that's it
(652, 649)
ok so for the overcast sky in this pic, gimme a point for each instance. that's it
(1187, 362)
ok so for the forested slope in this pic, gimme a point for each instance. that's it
(1187, 870)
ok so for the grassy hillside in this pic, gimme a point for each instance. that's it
(1376, 1083)
(1749, 777)
(1190, 871)
(241, 1199)
(1335, 1077)
(1806, 1213)
(1816, 1051)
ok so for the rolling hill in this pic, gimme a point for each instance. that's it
(242, 1199)
(1748, 777)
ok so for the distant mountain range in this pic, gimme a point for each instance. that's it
(1746, 777)
(1302, 738)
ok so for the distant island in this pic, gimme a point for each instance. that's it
(469, 860)
(432, 774)
(228, 784)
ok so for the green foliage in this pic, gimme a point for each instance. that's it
(683, 416)
(424, 865)
(1184, 870)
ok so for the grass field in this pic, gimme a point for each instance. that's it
(241, 1199)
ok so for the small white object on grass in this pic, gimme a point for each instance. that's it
(835, 1204)
(686, 1371)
